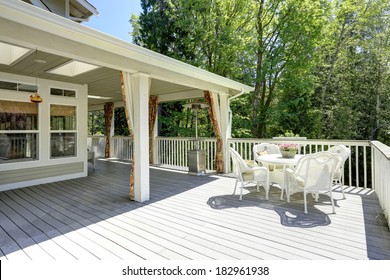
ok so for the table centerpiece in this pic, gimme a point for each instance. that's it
(288, 150)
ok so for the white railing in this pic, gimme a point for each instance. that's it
(357, 170)
(121, 147)
(172, 151)
(381, 178)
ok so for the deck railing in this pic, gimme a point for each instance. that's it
(122, 147)
(381, 176)
(172, 152)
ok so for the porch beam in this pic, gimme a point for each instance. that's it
(182, 95)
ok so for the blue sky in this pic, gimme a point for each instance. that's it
(114, 16)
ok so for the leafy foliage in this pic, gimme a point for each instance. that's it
(96, 123)
(320, 68)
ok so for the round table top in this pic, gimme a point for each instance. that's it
(278, 159)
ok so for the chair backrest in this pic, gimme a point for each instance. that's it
(239, 165)
(265, 148)
(342, 150)
(317, 170)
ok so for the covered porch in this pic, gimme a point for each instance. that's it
(187, 217)
(80, 70)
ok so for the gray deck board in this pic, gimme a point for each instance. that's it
(187, 217)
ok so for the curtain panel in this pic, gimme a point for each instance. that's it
(211, 99)
(153, 107)
(108, 113)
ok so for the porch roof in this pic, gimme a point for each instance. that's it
(60, 40)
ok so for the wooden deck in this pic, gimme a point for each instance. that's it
(188, 217)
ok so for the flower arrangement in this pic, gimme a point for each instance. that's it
(288, 147)
(288, 150)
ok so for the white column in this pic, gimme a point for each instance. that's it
(225, 128)
(140, 86)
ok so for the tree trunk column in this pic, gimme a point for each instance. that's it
(108, 113)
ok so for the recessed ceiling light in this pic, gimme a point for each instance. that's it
(41, 61)
(73, 68)
(10, 53)
(99, 97)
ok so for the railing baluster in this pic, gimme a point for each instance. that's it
(357, 165)
(350, 168)
(365, 166)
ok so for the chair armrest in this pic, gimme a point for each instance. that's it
(294, 182)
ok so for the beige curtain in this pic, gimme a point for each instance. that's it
(108, 113)
(128, 103)
(214, 114)
(153, 105)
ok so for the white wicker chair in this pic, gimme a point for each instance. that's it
(276, 172)
(265, 148)
(313, 173)
(247, 174)
(345, 153)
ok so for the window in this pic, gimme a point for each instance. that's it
(62, 92)
(17, 86)
(63, 136)
(18, 131)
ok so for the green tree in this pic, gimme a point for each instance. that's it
(120, 123)
(353, 74)
(96, 122)
(319, 67)
(206, 34)
(286, 36)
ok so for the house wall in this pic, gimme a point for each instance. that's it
(16, 174)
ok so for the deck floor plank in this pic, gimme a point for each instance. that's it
(187, 217)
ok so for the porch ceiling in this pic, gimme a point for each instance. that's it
(103, 82)
(59, 40)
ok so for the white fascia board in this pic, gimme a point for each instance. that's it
(28, 15)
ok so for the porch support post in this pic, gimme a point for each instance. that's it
(108, 114)
(225, 129)
(141, 86)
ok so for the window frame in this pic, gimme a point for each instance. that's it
(63, 131)
(34, 132)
